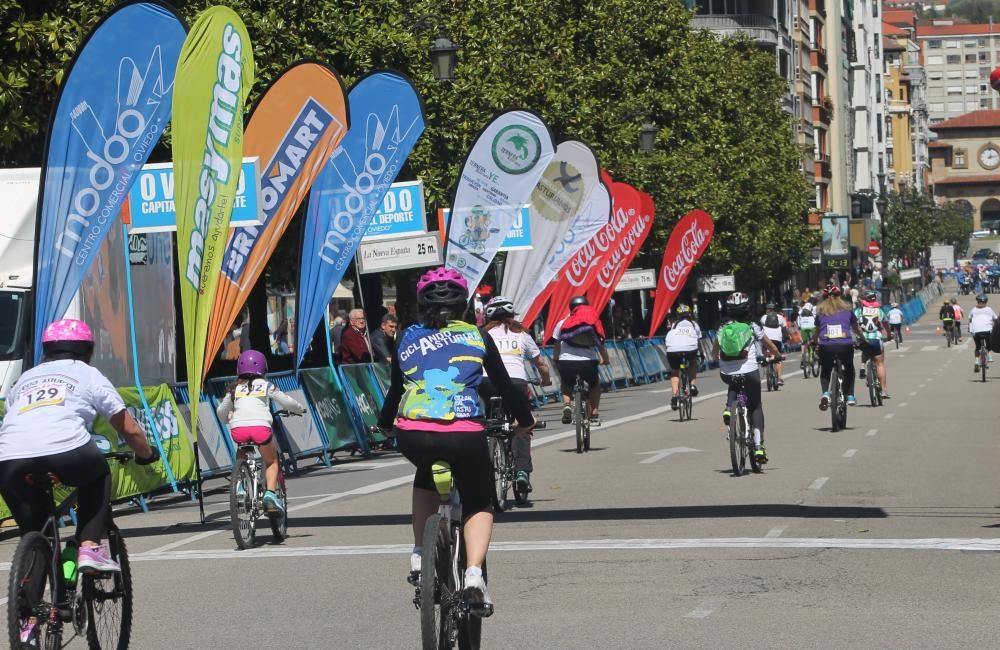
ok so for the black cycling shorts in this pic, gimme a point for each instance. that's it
(675, 359)
(570, 369)
(467, 452)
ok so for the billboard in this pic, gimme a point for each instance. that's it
(836, 242)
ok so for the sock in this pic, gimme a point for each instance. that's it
(473, 571)
(757, 437)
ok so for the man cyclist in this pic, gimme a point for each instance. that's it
(806, 322)
(682, 346)
(579, 343)
(871, 318)
(981, 320)
(947, 316)
(775, 326)
(896, 322)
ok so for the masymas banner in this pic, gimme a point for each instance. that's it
(214, 75)
(688, 240)
(112, 107)
(387, 117)
(499, 174)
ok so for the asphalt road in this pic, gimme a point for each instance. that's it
(883, 535)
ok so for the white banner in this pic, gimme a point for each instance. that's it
(393, 254)
(561, 193)
(500, 172)
(717, 284)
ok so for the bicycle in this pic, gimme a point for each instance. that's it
(741, 442)
(984, 357)
(873, 383)
(246, 497)
(950, 335)
(807, 361)
(500, 432)
(838, 401)
(897, 333)
(44, 585)
(772, 374)
(447, 616)
(581, 406)
(685, 402)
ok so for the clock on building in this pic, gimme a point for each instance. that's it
(989, 157)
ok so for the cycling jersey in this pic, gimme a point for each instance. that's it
(947, 313)
(836, 329)
(683, 336)
(981, 319)
(515, 348)
(895, 316)
(570, 352)
(870, 319)
(958, 312)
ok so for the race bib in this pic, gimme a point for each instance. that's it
(258, 390)
(835, 331)
(40, 394)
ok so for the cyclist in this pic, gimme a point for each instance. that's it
(435, 414)
(835, 321)
(46, 429)
(682, 345)
(806, 322)
(775, 326)
(871, 318)
(981, 320)
(737, 347)
(947, 316)
(958, 317)
(579, 343)
(516, 346)
(896, 322)
(247, 409)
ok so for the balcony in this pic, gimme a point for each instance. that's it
(821, 166)
(818, 7)
(822, 115)
(817, 60)
(759, 27)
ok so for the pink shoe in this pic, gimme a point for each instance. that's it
(95, 559)
(29, 632)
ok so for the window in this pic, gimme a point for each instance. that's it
(971, 74)
(936, 108)
(954, 107)
(984, 57)
(954, 59)
(971, 90)
(936, 91)
(888, 159)
(970, 58)
(935, 60)
(982, 42)
(958, 159)
(878, 130)
(951, 44)
(985, 103)
(934, 43)
(888, 127)
(954, 90)
(935, 74)
(984, 72)
(971, 106)
(983, 90)
(971, 43)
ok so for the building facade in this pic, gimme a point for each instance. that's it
(965, 164)
(867, 98)
(906, 125)
(958, 59)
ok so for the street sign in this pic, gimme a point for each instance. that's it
(716, 284)
(909, 274)
(394, 254)
(874, 248)
(637, 279)
(401, 214)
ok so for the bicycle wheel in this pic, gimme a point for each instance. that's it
(815, 363)
(687, 406)
(586, 428)
(436, 590)
(241, 506)
(947, 335)
(279, 524)
(835, 398)
(872, 382)
(737, 445)
(30, 578)
(501, 469)
(805, 364)
(750, 445)
(579, 417)
(108, 598)
(983, 362)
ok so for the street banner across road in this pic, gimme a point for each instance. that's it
(498, 176)
(617, 260)
(387, 118)
(112, 106)
(214, 75)
(402, 213)
(294, 129)
(688, 240)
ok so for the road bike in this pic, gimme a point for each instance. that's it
(581, 407)
(810, 361)
(246, 497)
(45, 590)
(741, 442)
(685, 403)
(772, 374)
(447, 615)
(873, 383)
(838, 401)
(984, 357)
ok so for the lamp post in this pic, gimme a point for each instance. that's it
(443, 56)
(883, 207)
(647, 137)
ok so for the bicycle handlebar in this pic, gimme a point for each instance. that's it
(285, 413)
(120, 456)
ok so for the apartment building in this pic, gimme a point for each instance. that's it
(906, 126)
(965, 164)
(841, 54)
(958, 59)
(867, 98)
(821, 104)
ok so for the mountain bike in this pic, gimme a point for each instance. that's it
(246, 497)
(44, 589)
(685, 403)
(873, 383)
(741, 443)
(950, 335)
(447, 617)
(772, 374)
(500, 431)
(984, 357)
(581, 407)
(810, 361)
(897, 333)
(838, 401)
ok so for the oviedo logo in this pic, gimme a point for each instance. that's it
(516, 149)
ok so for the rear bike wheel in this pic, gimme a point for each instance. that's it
(580, 418)
(501, 472)
(108, 598)
(983, 361)
(836, 397)
(242, 507)
(279, 524)
(436, 589)
(586, 426)
(30, 578)
(947, 335)
(806, 363)
(737, 444)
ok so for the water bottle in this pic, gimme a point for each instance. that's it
(69, 556)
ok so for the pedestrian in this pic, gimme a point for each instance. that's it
(337, 328)
(855, 296)
(354, 346)
(384, 339)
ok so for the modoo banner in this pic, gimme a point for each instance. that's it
(294, 129)
(387, 117)
(401, 214)
(103, 129)
(214, 75)
(688, 240)
(499, 173)
(617, 260)
(560, 194)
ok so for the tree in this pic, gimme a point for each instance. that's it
(914, 222)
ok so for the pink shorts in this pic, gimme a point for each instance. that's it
(256, 435)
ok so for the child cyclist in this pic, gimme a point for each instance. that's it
(247, 409)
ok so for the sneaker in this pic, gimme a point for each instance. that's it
(781, 382)
(694, 391)
(595, 421)
(567, 417)
(272, 504)
(29, 633)
(852, 400)
(475, 592)
(975, 368)
(861, 373)
(760, 454)
(95, 559)
(674, 400)
(824, 401)
(241, 489)
(885, 395)
(726, 415)
(522, 480)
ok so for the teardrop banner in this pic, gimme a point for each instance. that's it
(688, 240)
(617, 261)
(294, 129)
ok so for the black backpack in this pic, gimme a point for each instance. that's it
(772, 321)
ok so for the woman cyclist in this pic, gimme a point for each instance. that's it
(516, 346)
(835, 322)
(247, 409)
(436, 369)
(682, 346)
(981, 320)
(46, 429)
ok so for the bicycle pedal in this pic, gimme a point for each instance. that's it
(482, 610)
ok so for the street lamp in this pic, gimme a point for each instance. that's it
(443, 55)
(883, 208)
(647, 137)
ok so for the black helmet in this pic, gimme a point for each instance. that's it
(737, 304)
(981, 298)
(576, 301)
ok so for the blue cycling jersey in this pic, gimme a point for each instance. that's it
(441, 369)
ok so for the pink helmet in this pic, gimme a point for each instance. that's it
(442, 287)
(67, 329)
(251, 363)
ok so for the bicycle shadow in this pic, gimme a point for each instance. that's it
(830, 429)
(572, 450)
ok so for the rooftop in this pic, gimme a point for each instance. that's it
(899, 17)
(971, 179)
(927, 31)
(892, 45)
(889, 29)
(974, 120)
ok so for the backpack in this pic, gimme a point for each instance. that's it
(772, 321)
(582, 336)
(734, 339)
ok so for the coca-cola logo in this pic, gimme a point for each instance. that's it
(693, 241)
(613, 268)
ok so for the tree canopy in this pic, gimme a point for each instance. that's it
(914, 223)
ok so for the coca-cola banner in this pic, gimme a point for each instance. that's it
(616, 262)
(688, 241)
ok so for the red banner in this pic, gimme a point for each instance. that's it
(615, 263)
(688, 241)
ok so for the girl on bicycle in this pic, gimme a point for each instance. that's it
(682, 346)
(835, 322)
(247, 409)
(806, 322)
(436, 369)
(516, 346)
(46, 429)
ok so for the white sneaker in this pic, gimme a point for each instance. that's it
(475, 591)
(414, 562)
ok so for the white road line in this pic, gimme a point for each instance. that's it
(819, 483)
(871, 432)
(902, 349)
(901, 404)
(850, 452)
(929, 348)
(703, 610)
(889, 416)
(776, 531)
(912, 393)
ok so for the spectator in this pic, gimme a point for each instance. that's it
(337, 329)
(281, 337)
(353, 346)
(855, 294)
(384, 339)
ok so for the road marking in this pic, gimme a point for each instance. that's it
(902, 349)
(776, 531)
(871, 432)
(889, 416)
(819, 483)
(912, 393)
(660, 454)
(902, 404)
(850, 452)
(922, 386)
(929, 348)
(703, 610)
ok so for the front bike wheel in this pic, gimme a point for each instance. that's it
(687, 406)
(737, 445)
(30, 577)
(436, 590)
(108, 598)
(815, 363)
(579, 416)
(470, 626)
(279, 524)
(501, 470)
(242, 511)
(872, 382)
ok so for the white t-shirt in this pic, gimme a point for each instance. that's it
(253, 404)
(52, 406)
(570, 352)
(515, 348)
(774, 333)
(896, 316)
(744, 366)
(805, 321)
(981, 319)
(683, 336)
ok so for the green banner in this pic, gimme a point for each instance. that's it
(328, 399)
(214, 75)
(361, 382)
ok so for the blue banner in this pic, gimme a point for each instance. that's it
(387, 117)
(519, 235)
(401, 214)
(112, 107)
